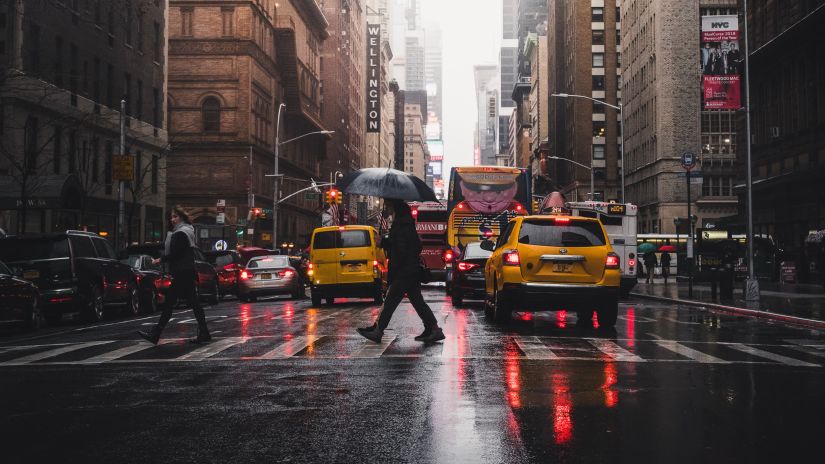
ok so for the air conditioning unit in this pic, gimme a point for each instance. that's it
(774, 130)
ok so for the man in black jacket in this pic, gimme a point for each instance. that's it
(180, 255)
(404, 277)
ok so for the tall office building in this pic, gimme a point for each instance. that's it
(487, 105)
(433, 70)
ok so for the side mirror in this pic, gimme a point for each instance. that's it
(487, 245)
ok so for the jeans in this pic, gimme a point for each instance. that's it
(183, 286)
(412, 288)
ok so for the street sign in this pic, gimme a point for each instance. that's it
(221, 245)
(220, 218)
(266, 237)
(122, 168)
(688, 160)
(311, 196)
(221, 206)
(696, 177)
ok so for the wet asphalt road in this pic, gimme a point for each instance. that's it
(284, 382)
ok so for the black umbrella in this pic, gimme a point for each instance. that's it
(386, 183)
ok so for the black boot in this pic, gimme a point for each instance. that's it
(203, 337)
(426, 333)
(151, 336)
(371, 333)
(435, 335)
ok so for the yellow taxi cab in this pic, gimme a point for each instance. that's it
(552, 263)
(346, 261)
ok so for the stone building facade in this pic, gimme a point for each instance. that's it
(65, 68)
(232, 65)
(416, 155)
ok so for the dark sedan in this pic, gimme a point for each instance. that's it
(207, 278)
(152, 281)
(19, 301)
(228, 265)
(468, 274)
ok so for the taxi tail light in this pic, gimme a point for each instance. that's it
(511, 258)
(229, 267)
(631, 262)
(562, 220)
(488, 233)
(244, 274)
(310, 270)
(611, 261)
(447, 256)
(462, 266)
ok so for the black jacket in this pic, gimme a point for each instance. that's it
(404, 249)
(181, 257)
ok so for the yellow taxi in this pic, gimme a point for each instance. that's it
(346, 261)
(552, 263)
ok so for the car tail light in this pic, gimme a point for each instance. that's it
(286, 273)
(164, 282)
(310, 269)
(462, 266)
(447, 256)
(511, 258)
(244, 274)
(229, 267)
(414, 212)
(488, 233)
(562, 220)
(519, 208)
(611, 261)
(60, 299)
(631, 262)
(341, 228)
(375, 263)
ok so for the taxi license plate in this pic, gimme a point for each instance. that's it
(562, 267)
(266, 276)
(33, 274)
(354, 267)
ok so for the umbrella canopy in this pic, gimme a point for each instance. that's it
(386, 183)
(667, 248)
(646, 247)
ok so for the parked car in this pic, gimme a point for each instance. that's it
(468, 274)
(227, 265)
(207, 287)
(269, 275)
(152, 281)
(75, 272)
(19, 300)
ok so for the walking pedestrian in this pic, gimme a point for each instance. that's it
(665, 260)
(650, 265)
(404, 252)
(179, 254)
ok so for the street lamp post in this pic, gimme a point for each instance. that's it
(620, 109)
(592, 193)
(751, 285)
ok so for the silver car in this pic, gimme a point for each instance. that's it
(269, 275)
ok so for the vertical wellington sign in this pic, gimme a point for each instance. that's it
(373, 78)
(721, 61)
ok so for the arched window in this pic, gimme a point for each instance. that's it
(211, 113)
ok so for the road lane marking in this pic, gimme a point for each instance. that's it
(614, 351)
(52, 353)
(291, 347)
(818, 344)
(374, 350)
(695, 355)
(772, 356)
(533, 348)
(212, 348)
(119, 353)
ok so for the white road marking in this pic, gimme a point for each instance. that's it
(291, 347)
(212, 348)
(813, 351)
(533, 348)
(52, 353)
(695, 355)
(772, 356)
(120, 353)
(807, 342)
(374, 350)
(614, 351)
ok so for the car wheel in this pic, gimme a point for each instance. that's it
(607, 312)
(214, 297)
(502, 313)
(35, 319)
(133, 305)
(316, 298)
(488, 308)
(94, 304)
(457, 299)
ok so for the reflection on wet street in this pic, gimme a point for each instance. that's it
(669, 384)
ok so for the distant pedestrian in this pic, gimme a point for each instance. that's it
(665, 260)
(404, 277)
(650, 265)
(179, 254)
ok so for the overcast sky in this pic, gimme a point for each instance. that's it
(472, 35)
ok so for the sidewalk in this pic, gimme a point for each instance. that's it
(796, 303)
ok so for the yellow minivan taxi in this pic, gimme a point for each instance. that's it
(553, 263)
(346, 261)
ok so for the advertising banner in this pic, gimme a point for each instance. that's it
(721, 62)
(373, 78)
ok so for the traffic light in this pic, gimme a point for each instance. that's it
(535, 206)
(254, 213)
(338, 196)
(333, 196)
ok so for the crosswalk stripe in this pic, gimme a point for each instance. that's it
(212, 349)
(533, 348)
(119, 353)
(52, 353)
(772, 356)
(291, 347)
(614, 351)
(374, 350)
(695, 355)
(809, 350)
(806, 342)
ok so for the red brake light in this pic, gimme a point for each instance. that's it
(462, 266)
(288, 273)
(340, 227)
(310, 266)
(562, 220)
(244, 274)
(447, 256)
(414, 212)
(229, 267)
(519, 207)
(461, 206)
(611, 261)
(631, 262)
(375, 263)
(511, 258)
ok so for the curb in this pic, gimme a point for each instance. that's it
(800, 321)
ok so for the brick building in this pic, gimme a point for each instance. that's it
(416, 156)
(231, 66)
(65, 68)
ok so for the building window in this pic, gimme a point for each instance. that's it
(140, 33)
(598, 37)
(107, 173)
(618, 37)
(57, 146)
(598, 82)
(96, 80)
(599, 176)
(58, 61)
(154, 174)
(598, 15)
(127, 92)
(33, 50)
(110, 86)
(128, 23)
(156, 45)
(598, 128)
(72, 152)
(228, 17)
(95, 160)
(186, 21)
(211, 114)
(139, 104)
(598, 151)
(156, 107)
(598, 60)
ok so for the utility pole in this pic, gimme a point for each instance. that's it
(751, 285)
(121, 206)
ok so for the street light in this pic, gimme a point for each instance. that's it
(592, 195)
(276, 175)
(620, 109)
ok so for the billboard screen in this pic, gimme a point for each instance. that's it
(721, 61)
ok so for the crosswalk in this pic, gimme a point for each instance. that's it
(789, 352)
